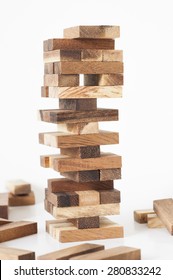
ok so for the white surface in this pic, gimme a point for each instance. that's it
(146, 112)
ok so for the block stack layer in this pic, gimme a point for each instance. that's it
(80, 201)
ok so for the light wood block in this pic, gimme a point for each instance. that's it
(86, 211)
(70, 252)
(64, 199)
(82, 152)
(87, 198)
(101, 31)
(78, 104)
(82, 176)
(72, 44)
(67, 140)
(164, 210)
(112, 55)
(153, 221)
(86, 222)
(91, 55)
(62, 55)
(84, 67)
(62, 184)
(4, 221)
(16, 230)
(4, 205)
(110, 174)
(18, 187)
(109, 196)
(140, 216)
(117, 253)
(61, 80)
(21, 200)
(82, 92)
(103, 80)
(8, 253)
(79, 128)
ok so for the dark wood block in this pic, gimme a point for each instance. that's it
(82, 152)
(82, 176)
(109, 196)
(86, 222)
(103, 79)
(78, 104)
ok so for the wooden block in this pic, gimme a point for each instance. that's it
(84, 67)
(86, 211)
(87, 198)
(4, 221)
(72, 44)
(18, 187)
(4, 205)
(8, 253)
(48, 206)
(47, 161)
(117, 253)
(70, 116)
(79, 128)
(109, 196)
(82, 92)
(107, 230)
(16, 230)
(67, 140)
(82, 152)
(140, 216)
(110, 174)
(62, 184)
(103, 80)
(70, 252)
(78, 104)
(153, 221)
(63, 199)
(61, 80)
(112, 55)
(21, 200)
(86, 222)
(91, 55)
(49, 68)
(164, 210)
(101, 31)
(62, 55)
(82, 176)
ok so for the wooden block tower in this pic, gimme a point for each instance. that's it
(80, 201)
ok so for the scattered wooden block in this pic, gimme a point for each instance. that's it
(18, 187)
(4, 221)
(78, 104)
(64, 199)
(117, 253)
(65, 185)
(62, 55)
(67, 253)
(87, 198)
(109, 196)
(164, 210)
(86, 222)
(140, 216)
(82, 152)
(79, 128)
(101, 31)
(16, 230)
(91, 55)
(67, 140)
(110, 174)
(4, 205)
(82, 92)
(61, 80)
(21, 200)
(153, 221)
(8, 253)
(82, 176)
(72, 44)
(103, 80)
(112, 55)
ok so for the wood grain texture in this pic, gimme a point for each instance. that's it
(67, 140)
(82, 152)
(61, 80)
(18, 187)
(4, 205)
(8, 253)
(109, 196)
(164, 210)
(63, 199)
(16, 230)
(82, 176)
(65, 254)
(87, 198)
(4, 221)
(153, 221)
(84, 67)
(117, 253)
(70, 116)
(110, 174)
(103, 80)
(91, 55)
(86, 211)
(86, 222)
(82, 92)
(112, 55)
(101, 31)
(73, 44)
(78, 104)
(79, 128)
(21, 200)
(108, 229)
(61, 55)
(140, 216)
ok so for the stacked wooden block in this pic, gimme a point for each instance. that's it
(80, 201)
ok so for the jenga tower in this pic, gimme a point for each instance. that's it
(80, 201)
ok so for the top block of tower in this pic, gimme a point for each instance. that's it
(92, 32)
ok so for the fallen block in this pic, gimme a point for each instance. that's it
(140, 216)
(18, 187)
(21, 200)
(8, 253)
(164, 210)
(4, 205)
(153, 221)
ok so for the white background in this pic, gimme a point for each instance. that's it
(146, 110)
